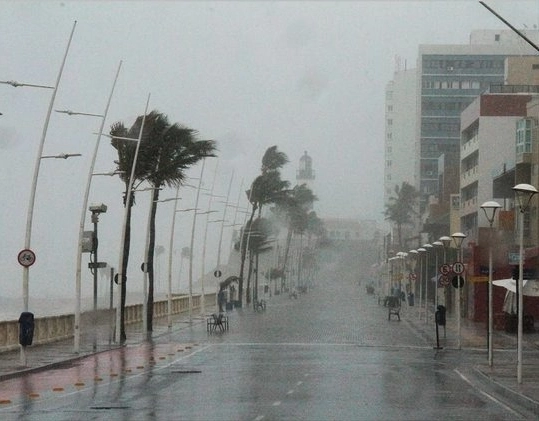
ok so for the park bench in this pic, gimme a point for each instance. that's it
(217, 321)
(393, 307)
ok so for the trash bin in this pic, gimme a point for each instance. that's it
(411, 299)
(439, 315)
(26, 328)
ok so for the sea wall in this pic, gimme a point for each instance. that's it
(57, 328)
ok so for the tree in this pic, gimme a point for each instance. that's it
(402, 207)
(294, 206)
(167, 151)
(265, 188)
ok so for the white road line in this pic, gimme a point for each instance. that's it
(291, 391)
(276, 403)
(492, 398)
(259, 418)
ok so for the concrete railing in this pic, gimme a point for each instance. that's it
(56, 328)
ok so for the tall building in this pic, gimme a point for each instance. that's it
(450, 77)
(399, 137)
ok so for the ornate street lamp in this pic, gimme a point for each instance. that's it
(458, 238)
(490, 209)
(412, 261)
(524, 194)
(437, 245)
(421, 251)
(428, 248)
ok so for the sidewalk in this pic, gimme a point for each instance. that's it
(502, 376)
(44, 356)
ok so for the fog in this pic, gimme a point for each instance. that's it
(305, 76)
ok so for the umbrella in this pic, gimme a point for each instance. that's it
(531, 286)
(224, 284)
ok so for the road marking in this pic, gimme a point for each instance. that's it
(300, 382)
(276, 403)
(259, 418)
(291, 391)
(492, 398)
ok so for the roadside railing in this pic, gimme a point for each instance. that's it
(56, 328)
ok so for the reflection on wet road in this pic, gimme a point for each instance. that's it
(319, 357)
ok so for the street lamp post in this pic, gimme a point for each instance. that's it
(193, 227)
(458, 238)
(421, 252)
(29, 217)
(490, 209)
(429, 248)
(524, 194)
(78, 273)
(412, 259)
(437, 244)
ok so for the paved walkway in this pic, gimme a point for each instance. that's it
(502, 375)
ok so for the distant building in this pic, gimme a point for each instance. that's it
(450, 77)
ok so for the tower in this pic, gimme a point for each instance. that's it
(305, 173)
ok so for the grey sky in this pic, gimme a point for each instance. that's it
(300, 75)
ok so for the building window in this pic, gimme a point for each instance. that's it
(524, 136)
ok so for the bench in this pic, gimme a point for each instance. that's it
(393, 307)
(217, 321)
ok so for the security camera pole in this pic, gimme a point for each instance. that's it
(96, 209)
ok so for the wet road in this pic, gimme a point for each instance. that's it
(327, 355)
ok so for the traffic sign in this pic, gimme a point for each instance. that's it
(443, 281)
(458, 268)
(445, 269)
(26, 258)
(457, 281)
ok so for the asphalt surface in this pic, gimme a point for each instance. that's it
(502, 376)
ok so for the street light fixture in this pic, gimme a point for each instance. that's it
(458, 238)
(78, 273)
(490, 209)
(428, 248)
(30, 214)
(524, 194)
(412, 260)
(421, 251)
(437, 244)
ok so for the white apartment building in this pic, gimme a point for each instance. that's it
(400, 131)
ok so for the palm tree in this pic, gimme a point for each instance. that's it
(401, 207)
(294, 206)
(257, 240)
(170, 150)
(266, 188)
(166, 152)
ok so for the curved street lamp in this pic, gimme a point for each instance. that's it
(490, 209)
(78, 272)
(524, 194)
